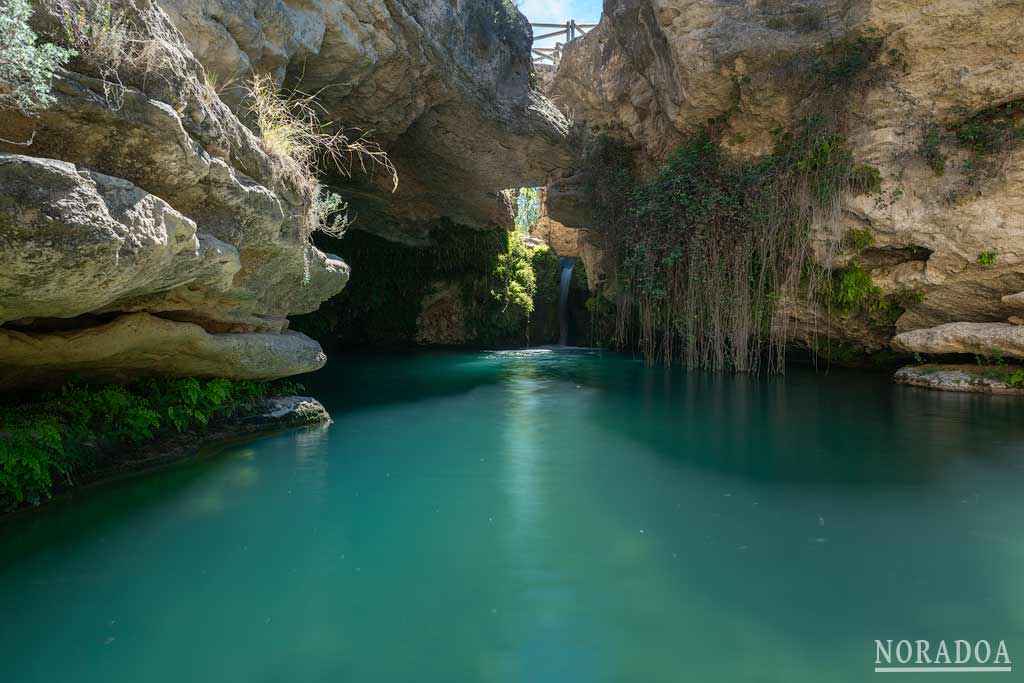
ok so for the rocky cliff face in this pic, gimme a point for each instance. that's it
(443, 86)
(145, 229)
(942, 128)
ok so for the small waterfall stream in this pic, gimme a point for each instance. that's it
(563, 300)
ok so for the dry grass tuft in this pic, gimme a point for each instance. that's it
(299, 144)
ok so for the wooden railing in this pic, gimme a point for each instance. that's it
(551, 55)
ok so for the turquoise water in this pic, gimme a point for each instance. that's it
(540, 516)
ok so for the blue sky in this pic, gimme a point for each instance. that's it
(558, 11)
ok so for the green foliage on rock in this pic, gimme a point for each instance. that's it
(931, 149)
(380, 305)
(854, 293)
(858, 240)
(704, 249)
(502, 314)
(992, 129)
(987, 259)
(708, 248)
(987, 135)
(26, 66)
(547, 269)
(50, 438)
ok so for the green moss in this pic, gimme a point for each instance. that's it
(853, 288)
(55, 436)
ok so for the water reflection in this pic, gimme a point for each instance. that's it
(548, 515)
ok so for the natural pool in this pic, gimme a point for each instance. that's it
(540, 516)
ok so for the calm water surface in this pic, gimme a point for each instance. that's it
(540, 516)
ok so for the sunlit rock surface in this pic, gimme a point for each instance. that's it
(149, 208)
(655, 71)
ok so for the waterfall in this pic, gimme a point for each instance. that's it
(563, 300)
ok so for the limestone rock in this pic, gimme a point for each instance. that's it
(442, 318)
(983, 339)
(1015, 300)
(563, 240)
(286, 411)
(145, 196)
(655, 71)
(73, 241)
(444, 86)
(139, 344)
(953, 378)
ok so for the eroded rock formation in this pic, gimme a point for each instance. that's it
(144, 228)
(947, 223)
(443, 86)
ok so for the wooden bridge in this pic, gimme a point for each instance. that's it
(551, 55)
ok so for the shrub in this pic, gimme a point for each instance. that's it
(101, 36)
(511, 285)
(987, 259)
(26, 67)
(59, 434)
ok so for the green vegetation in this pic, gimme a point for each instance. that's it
(854, 293)
(63, 432)
(579, 276)
(987, 259)
(547, 268)
(857, 240)
(527, 209)
(26, 66)
(848, 63)
(930, 149)
(380, 305)
(991, 130)
(1012, 376)
(707, 249)
(987, 134)
(511, 284)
